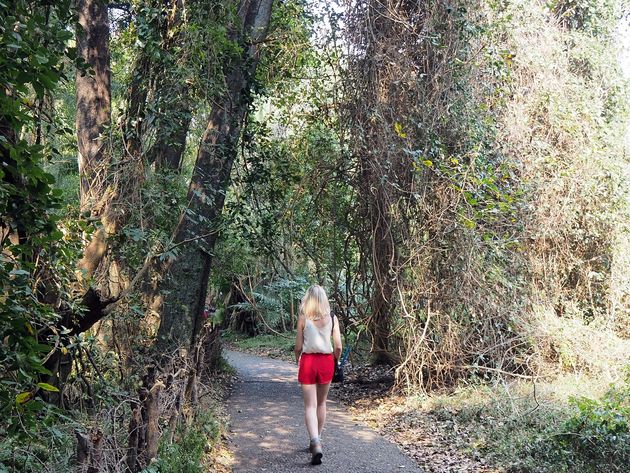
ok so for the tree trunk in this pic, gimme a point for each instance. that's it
(106, 187)
(136, 101)
(384, 259)
(385, 176)
(144, 431)
(93, 98)
(89, 451)
(93, 102)
(185, 287)
(154, 79)
(379, 246)
(176, 114)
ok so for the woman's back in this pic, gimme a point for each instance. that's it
(317, 335)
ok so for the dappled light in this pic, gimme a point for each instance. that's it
(428, 201)
(267, 426)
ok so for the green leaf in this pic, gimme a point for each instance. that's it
(399, 130)
(22, 397)
(41, 58)
(48, 387)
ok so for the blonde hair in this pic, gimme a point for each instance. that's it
(315, 304)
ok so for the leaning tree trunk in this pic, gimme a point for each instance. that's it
(184, 288)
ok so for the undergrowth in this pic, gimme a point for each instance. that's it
(566, 425)
(187, 453)
(278, 345)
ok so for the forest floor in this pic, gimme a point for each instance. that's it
(437, 445)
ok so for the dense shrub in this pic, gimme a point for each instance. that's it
(599, 429)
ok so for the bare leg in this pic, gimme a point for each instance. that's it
(309, 393)
(322, 394)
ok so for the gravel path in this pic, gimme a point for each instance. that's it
(268, 433)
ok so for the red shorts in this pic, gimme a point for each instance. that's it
(316, 368)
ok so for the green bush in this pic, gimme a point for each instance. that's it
(599, 430)
(186, 454)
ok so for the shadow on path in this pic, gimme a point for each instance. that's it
(268, 433)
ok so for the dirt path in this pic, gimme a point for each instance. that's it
(268, 434)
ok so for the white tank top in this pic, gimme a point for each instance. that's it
(317, 340)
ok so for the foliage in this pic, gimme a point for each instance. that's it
(150, 223)
(592, 16)
(287, 213)
(280, 345)
(576, 120)
(441, 203)
(544, 427)
(174, 57)
(34, 52)
(599, 430)
(467, 205)
(288, 48)
(34, 46)
(42, 239)
(49, 448)
(272, 222)
(185, 455)
(275, 304)
(462, 169)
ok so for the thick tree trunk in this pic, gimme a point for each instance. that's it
(93, 98)
(386, 173)
(93, 117)
(384, 258)
(378, 244)
(93, 102)
(185, 287)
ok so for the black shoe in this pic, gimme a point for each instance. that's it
(316, 450)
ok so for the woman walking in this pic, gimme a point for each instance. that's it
(316, 358)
